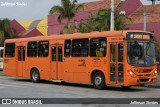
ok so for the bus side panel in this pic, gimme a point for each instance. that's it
(68, 72)
(10, 67)
(80, 69)
(100, 65)
(76, 70)
(43, 66)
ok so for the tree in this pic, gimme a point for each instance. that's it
(157, 44)
(101, 21)
(67, 30)
(89, 25)
(6, 31)
(67, 10)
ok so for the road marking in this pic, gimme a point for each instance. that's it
(11, 85)
(36, 85)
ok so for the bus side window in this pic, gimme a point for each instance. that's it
(98, 47)
(67, 49)
(32, 49)
(10, 50)
(1, 53)
(43, 48)
(80, 47)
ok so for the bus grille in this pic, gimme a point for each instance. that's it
(147, 70)
(144, 70)
(144, 80)
(144, 75)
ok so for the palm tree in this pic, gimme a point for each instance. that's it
(6, 31)
(67, 10)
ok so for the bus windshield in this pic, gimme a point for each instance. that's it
(141, 53)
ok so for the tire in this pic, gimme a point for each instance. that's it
(98, 81)
(126, 87)
(35, 77)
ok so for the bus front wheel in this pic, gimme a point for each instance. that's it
(98, 81)
(35, 77)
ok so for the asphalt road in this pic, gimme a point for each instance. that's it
(21, 88)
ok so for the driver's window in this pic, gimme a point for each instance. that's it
(136, 49)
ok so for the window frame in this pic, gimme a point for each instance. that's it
(1, 53)
(13, 50)
(81, 55)
(70, 48)
(43, 48)
(100, 40)
(36, 54)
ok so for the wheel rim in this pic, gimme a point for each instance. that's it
(98, 80)
(35, 76)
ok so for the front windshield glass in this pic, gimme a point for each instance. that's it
(141, 53)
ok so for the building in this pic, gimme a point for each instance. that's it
(21, 32)
(134, 9)
(40, 25)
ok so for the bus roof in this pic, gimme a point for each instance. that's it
(74, 36)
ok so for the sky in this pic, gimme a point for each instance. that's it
(22, 10)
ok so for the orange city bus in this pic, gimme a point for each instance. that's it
(125, 58)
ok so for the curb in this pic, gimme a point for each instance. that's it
(152, 86)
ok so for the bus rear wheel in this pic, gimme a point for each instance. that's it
(98, 81)
(35, 77)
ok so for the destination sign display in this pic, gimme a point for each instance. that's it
(141, 36)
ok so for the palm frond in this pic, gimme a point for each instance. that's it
(5, 28)
(55, 9)
(80, 8)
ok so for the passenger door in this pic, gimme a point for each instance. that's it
(57, 62)
(21, 59)
(116, 63)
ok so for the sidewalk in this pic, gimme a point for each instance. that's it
(1, 73)
(156, 85)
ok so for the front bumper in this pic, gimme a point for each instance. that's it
(139, 81)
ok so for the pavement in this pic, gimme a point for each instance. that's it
(156, 85)
(11, 87)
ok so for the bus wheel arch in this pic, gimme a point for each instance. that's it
(98, 79)
(35, 75)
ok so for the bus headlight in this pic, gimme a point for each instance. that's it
(132, 74)
(155, 72)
